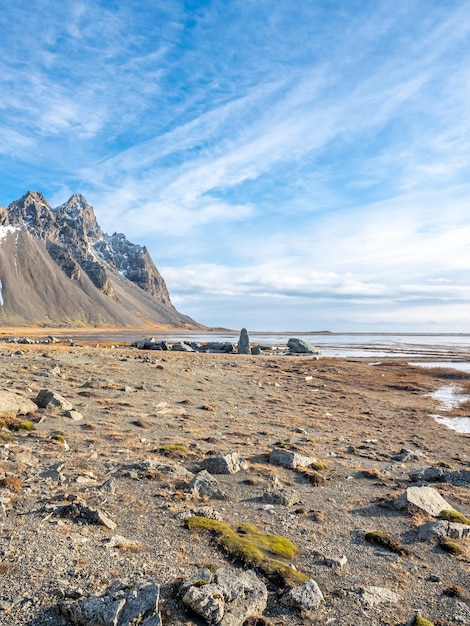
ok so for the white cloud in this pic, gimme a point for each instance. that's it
(258, 165)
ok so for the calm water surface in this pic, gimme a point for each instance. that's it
(450, 348)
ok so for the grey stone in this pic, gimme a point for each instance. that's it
(306, 597)
(336, 563)
(288, 458)
(154, 620)
(11, 402)
(203, 484)
(122, 604)
(202, 511)
(172, 470)
(228, 463)
(74, 415)
(424, 499)
(442, 529)
(182, 347)
(407, 455)
(47, 399)
(218, 347)
(79, 509)
(297, 346)
(150, 343)
(459, 478)
(230, 600)
(207, 601)
(439, 474)
(245, 595)
(108, 487)
(201, 577)
(95, 516)
(373, 596)
(243, 342)
(54, 472)
(430, 474)
(141, 601)
(282, 495)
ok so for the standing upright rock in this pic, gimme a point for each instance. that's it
(244, 342)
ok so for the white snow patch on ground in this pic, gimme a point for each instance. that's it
(1, 293)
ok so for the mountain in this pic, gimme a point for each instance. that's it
(57, 267)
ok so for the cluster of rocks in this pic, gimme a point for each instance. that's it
(294, 346)
(31, 340)
(124, 603)
(226, 596)
(442, 475)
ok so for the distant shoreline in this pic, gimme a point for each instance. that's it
(146, 331)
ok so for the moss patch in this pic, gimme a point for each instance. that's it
(24, 425)
(420, 621)
(451, 547)
(314, 477)
(318, 465)
(371, 473)
(274, 544)
(381, 538)
(247, 544)
(174, 450)
(454, 516)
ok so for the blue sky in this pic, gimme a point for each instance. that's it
(290, 165)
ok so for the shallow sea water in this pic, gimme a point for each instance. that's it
(450, 397)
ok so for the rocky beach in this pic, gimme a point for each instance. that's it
(148, 487)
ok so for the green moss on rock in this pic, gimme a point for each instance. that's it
(454, 516)
(451, 547)
(252, 547)
(24, 425)
(381, 538)
(420, 621)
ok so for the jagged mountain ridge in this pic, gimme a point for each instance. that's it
(57, 266)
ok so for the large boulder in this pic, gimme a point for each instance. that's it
(218, 347)
(15, 404)
(207, 601)
(440, 474)
(289, 458)
(442, 529)
(305, 597)
(422, 499)
(228, 598)
(373, 596)
(227, 463)
(150, 343)
(297, 346)
(182, 346)
(244, 342)
(47, 399)
(203, 484)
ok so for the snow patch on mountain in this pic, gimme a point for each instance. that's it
(4, 230)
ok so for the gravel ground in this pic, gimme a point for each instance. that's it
(176, 408)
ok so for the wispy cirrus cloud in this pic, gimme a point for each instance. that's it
(310, 154)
